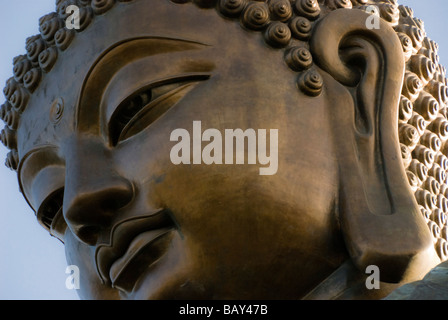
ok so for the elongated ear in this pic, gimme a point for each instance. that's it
(379, 215)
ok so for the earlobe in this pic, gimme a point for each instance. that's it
(379, 215)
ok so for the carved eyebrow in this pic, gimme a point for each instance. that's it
(111, 61)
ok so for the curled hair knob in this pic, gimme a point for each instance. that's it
(300, 28)
(255, 16)
(280, 10)
(277, 34)
(311, 83)
(298, 58)
(232, 8)
(309, 9)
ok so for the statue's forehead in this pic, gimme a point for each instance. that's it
(51, 112)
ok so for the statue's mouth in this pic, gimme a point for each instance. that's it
(135, 245)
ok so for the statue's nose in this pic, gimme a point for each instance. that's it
(94, 191)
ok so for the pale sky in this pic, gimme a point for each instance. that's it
(32, 264)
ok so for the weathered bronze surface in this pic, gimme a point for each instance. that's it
(361, 120)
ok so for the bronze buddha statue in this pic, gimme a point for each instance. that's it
(360, 120)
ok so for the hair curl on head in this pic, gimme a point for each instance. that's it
(287, 24)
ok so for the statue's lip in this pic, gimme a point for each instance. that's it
(128, 239)
(143, 252)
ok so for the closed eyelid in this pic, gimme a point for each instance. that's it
(113, 100)
(112, 61)
(152, 72)
(144, 107)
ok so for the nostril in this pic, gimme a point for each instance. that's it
(88, 234)
(91, 205)
(118, 196)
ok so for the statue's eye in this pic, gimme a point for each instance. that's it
(145, 106)
(50, 215)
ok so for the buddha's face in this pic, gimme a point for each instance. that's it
(139, 226)
(127, 151)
